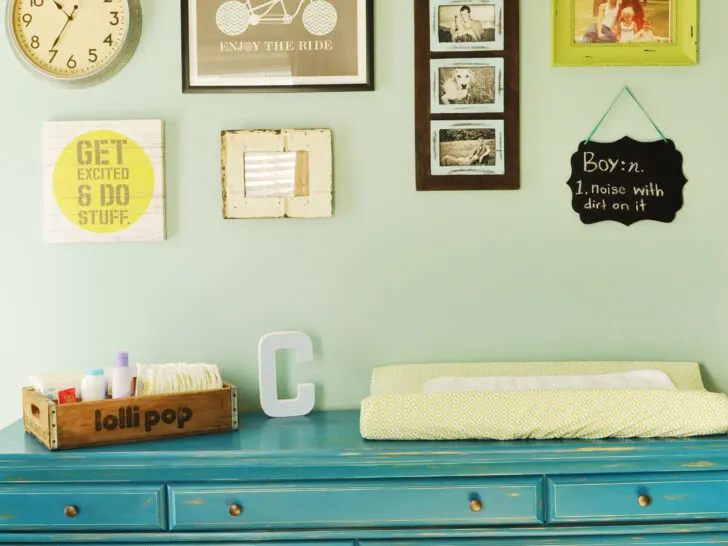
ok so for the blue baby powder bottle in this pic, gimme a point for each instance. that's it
(121, 379)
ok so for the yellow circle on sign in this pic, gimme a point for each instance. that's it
(103, 182)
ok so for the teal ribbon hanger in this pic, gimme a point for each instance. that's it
(628, 90)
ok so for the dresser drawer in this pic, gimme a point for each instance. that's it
(390, 503)
(66, 508)
(625, 498)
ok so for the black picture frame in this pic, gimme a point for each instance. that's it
(429, 50)
(367, 85)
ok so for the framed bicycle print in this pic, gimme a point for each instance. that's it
(277, 45)
(624, 32)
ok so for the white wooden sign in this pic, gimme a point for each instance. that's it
(267, 348)
(103, 181)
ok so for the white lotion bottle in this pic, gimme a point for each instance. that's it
(93, 386)
(121, 378)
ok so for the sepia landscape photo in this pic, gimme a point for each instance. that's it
(467, 147)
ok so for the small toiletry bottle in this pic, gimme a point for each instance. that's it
(121, 380)
(93, 386)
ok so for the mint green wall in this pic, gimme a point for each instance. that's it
(396, 276)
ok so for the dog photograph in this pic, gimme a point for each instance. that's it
(623, 21)
(467, 85)
(467, 147)
(469, 25)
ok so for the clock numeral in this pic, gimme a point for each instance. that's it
(115, 18)
(36, 3)
(92, 56)
(35, 42)
(27, 19)
(108, 40)
(71, 63)
(53, 53)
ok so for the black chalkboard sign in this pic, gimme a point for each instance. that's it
(627, 181)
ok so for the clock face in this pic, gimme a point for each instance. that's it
(70, 39)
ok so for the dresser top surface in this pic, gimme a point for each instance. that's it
(331, 439)
(337, 432)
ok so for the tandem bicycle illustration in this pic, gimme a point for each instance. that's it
(234, 17)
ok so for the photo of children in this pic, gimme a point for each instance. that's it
(622, 21)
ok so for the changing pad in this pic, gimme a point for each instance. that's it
(399, 409)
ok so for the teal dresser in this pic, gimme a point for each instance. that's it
(313, 481)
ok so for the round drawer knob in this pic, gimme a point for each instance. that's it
(235, 510)
(476, 505)
(70, 511)
(644, 500)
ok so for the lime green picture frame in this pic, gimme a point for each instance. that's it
(683, 50)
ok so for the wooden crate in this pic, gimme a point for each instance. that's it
(81, 424)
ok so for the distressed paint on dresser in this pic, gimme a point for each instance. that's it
(313, 481)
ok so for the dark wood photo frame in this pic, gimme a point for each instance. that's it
(502, 169)
(255, 18)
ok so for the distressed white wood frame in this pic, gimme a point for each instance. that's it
(319, 201)
(149, 135)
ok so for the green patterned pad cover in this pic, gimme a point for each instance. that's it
(397, 409)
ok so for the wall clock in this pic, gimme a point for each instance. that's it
(74, 42)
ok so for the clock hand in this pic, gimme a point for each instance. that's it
(68, 20)
(60, 7)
